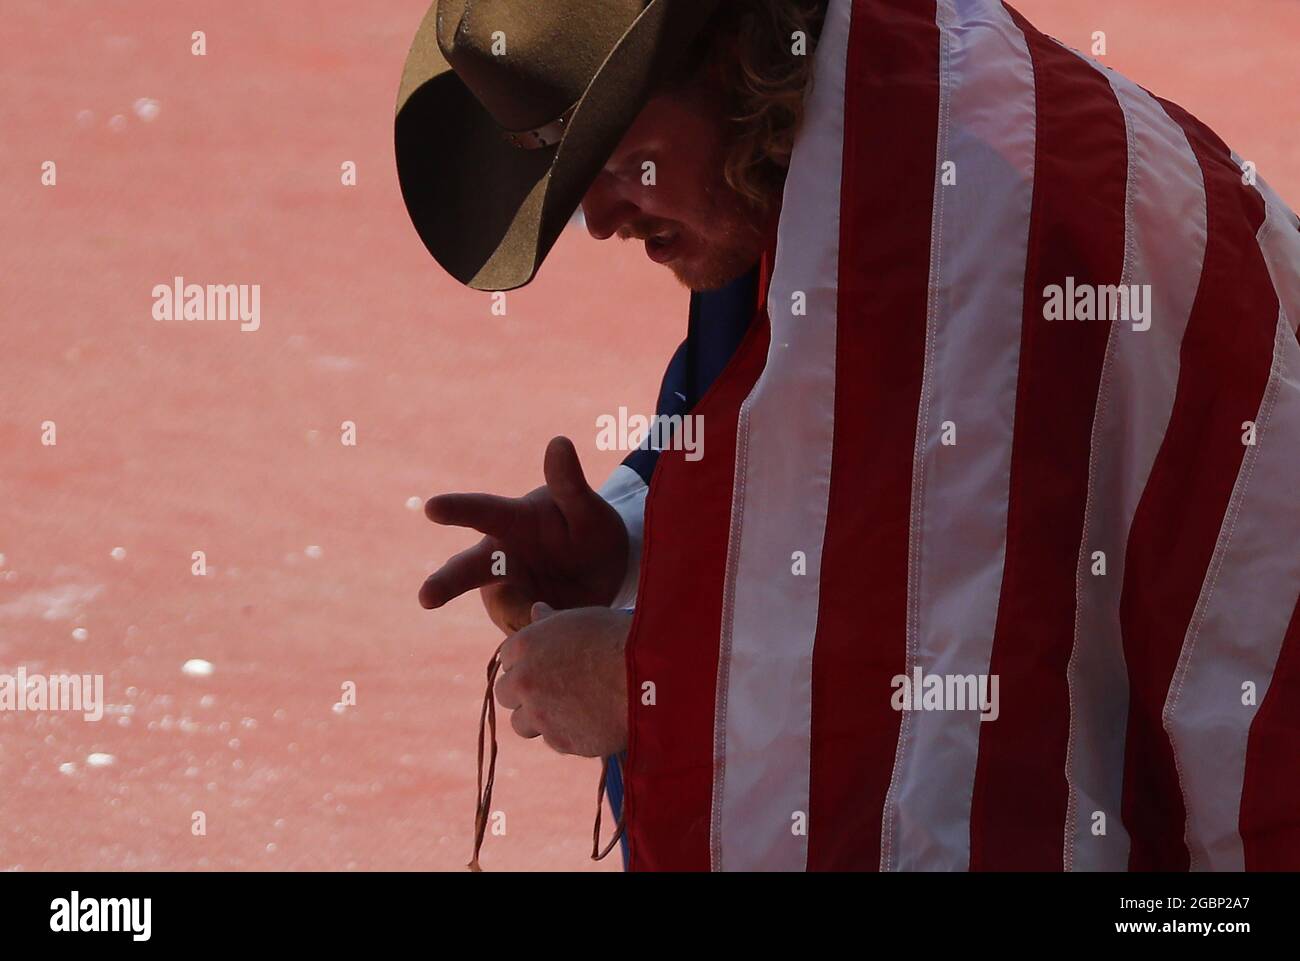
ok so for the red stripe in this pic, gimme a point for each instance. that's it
(887, 193)
(673, 641)
(1270, 795)
(1076, 229)
(1226, 356)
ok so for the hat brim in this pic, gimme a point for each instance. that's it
(488, 211)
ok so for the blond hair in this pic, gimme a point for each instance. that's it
(759, 53)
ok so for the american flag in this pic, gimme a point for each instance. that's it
(1101, 514)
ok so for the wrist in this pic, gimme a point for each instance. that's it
(625, 491)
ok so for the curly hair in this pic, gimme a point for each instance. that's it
(759, 54)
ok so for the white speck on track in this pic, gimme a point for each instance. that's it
(196, 667)
(146, 108)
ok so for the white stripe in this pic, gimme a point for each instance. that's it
(1240, 621)
(625, 491)
(1279, 239)
(1165, 237)
(980, 239)
(763, 724)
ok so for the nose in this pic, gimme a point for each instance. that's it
(604, 210)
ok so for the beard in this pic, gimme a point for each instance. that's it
(716, 266)
(733, 248)
(726, 232)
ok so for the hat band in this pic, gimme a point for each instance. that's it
(547, 135)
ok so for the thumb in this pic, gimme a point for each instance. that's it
(564, 477)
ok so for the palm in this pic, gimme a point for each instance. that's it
(561, 543)
(570, 559)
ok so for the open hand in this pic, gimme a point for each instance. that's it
(561, 543)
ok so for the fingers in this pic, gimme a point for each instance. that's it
(516, 647)
(512, 650)
(512, 687)
(508, 693)
(522, 721)
(486, 513)
(564, 478)
(508, 606)
(463, 572)
(525, 725)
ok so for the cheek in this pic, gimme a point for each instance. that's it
(686, 195)
(668, 198)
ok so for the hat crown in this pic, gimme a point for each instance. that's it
(525, 61)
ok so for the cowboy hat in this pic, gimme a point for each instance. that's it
(507, 111)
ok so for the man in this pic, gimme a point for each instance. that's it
(991, 563)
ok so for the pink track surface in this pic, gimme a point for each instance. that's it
(174, 437)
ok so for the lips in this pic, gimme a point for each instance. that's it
(661, 248)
